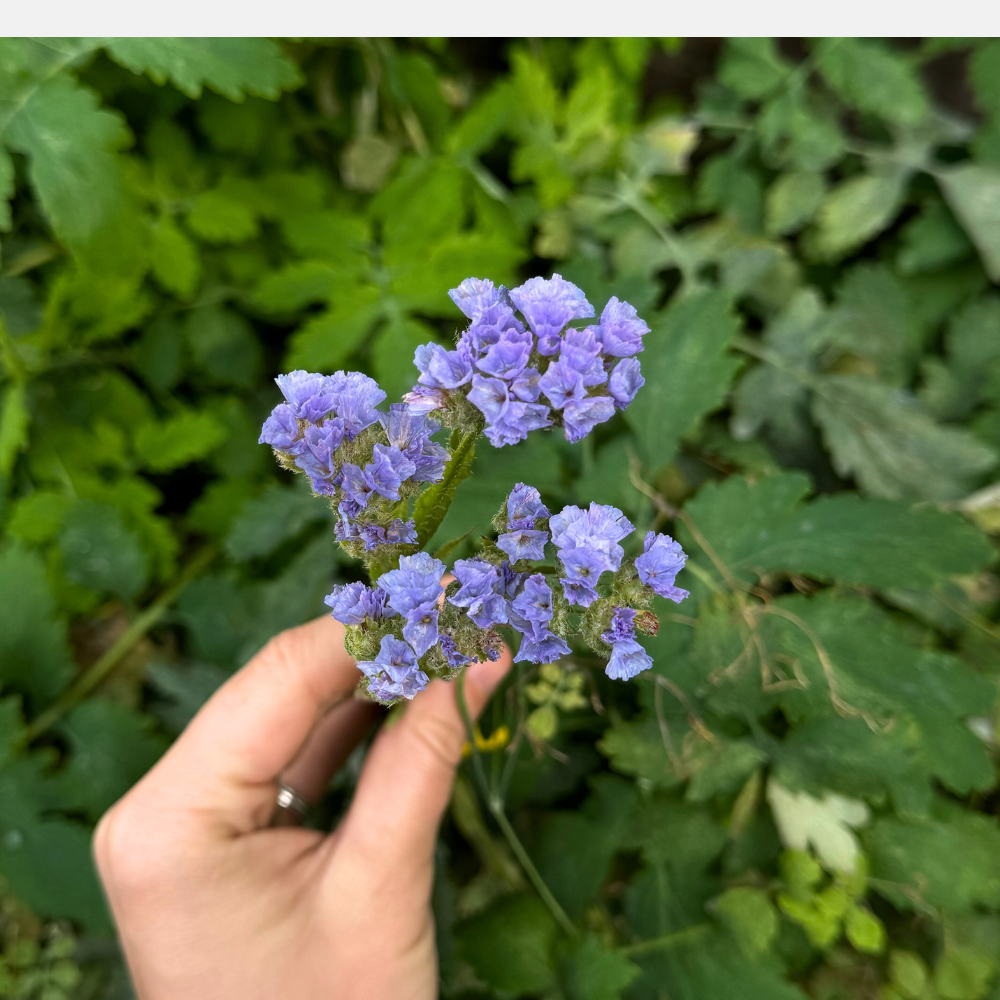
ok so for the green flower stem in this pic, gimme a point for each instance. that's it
(496, 809)
(108, 663)
(665, 941)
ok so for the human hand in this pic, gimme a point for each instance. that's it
(211, 902)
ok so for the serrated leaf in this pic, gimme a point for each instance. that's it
(111, 748)
(973, 193)
(296, 286)
(14, 420)
(687, 368)
(175, 262)
(871, 77)
(764, 526)
(822, 824)
(231, 66)
(752, 67)
(792, 201)
(932, 240)
(432, 505)
(886, 440)
(751, 917)
(223, 345)
(328, 340)
(184, 688)
(278, 515)
(181, 439)
(855, 211)
(71, 143)
(509, 946)
(100, 552)
(34, 653)
(951, 861)
(592, 971)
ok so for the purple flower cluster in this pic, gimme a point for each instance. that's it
(661, 560)
(526, 377)
(587, 541)
(628, 658)
(394, 673)
(413, 591)
(523, 539)
(530, 613)
(318, 430)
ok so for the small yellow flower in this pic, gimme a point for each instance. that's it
(497, 740)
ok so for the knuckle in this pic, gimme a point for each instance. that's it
(121, 848)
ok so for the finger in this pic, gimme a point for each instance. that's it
(336, 734)
(406, 783)
(220, 773)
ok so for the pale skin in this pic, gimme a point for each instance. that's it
(211, 903)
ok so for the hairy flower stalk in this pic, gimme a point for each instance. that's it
(390, 483)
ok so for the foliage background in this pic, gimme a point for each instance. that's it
(812, 228)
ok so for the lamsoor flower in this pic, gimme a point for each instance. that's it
(352, 603)
(628, 658)
(394, 673)
(413, 591)
(661, 560)
(481, 592)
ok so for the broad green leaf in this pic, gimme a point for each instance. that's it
(722, 767)
(175, 262)
(792, 201)
(178, 440)
(231, 66)
(951, 861)
(72, 143)
(100, 552)
(752, 67)
(795, 132)
(592, 971)
(325, 342)
(111, 748)
(392, 355)
(158, 353)
(37, 517)
(46, 859)
(757, 528)
(184, 688)
(687, 369)
(278, 515)
(985, 77)
(888, 442)
(221, 216)
(509, 946)
(34, 653)
(14, 420)
(856, 211)
(433, 503)
(296, 286)
(751, 917)
(871, 77)
(963, 974)
(932, 240)
(973, 194)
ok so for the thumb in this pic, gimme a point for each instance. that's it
(406, 783)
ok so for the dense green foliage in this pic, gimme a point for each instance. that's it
(800, 798)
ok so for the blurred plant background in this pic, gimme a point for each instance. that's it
(800, 799)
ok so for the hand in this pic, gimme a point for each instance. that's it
(212, 903)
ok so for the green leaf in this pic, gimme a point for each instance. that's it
(37, 517)
(296, 286)
(592, 971)
(14, 420)
(175, 262)
(722, 767)
(100, 552)
(265, 523)
(392, 355)
(509, 946)
(932, 240)
(223, 345)
(34, 653)
(221, 216)
(752, 67)
(973, 194)
(963, 974)
(872, 78)
(433, 503)
(6, 188)
(184, 688)
(751, 917)
(951, 862)
(46, 859)
(984, 76)
(759, 527)
(792, 201)
(71, 144)
(687, 369)
(233, 67)
(181, 439)
(864, 930)
(856, 211)
(889, 443)
(111, 748)
(329, 339)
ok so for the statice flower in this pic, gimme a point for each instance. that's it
(524, 506)
(661, 560)
(281, 431)
(353, 603)
(481, 592)
(394, 673)
(548, 306)
(628, 658)
(411, 434)
(587, 541)
(413, 591)
(453, 656)
(625, 381)
(620, 331)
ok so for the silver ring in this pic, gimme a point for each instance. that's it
(290, 808)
